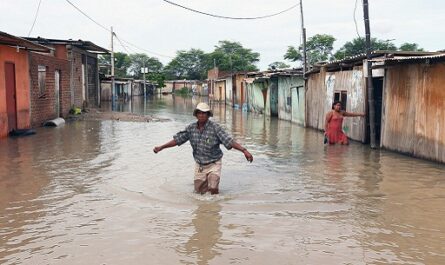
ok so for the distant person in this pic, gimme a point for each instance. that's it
(334, 124)
(205, 136)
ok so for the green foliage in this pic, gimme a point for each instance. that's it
(232, 56)
(121, 64)
(278, 65)
(410, 47)
(140, 60)
(357, 46)
(183, 91)
(191, 64)
(318, 48)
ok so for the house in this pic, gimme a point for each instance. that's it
(15, 95)
(413, 105)
(216, 83)
(83, 68)
(277, 93)
(192, 86)
(345, 81)
(122, 88)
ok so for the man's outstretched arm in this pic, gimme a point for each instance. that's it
(169, 144)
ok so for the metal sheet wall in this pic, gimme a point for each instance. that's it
(320, 94)
(414, 110)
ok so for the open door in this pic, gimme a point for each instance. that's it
(57, 97)
(11, 103)
(378, 96)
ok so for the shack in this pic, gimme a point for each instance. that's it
(413, 110)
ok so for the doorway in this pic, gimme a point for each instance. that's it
(57, 92)
(378, 96)
(11, 100)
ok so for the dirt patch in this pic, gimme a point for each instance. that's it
(97, 115)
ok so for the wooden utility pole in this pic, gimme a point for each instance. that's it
(303, 33)
(371, 106)
(112, 71)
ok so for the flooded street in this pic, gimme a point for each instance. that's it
(93, 192)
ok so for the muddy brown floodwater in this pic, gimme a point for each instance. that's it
(93, 192)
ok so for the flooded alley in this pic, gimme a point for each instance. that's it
(93, 192)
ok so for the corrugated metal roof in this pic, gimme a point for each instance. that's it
(411, 58)
(10, 40)
(86, 45)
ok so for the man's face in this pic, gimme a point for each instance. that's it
(202, 116)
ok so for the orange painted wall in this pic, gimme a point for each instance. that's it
(20, 60)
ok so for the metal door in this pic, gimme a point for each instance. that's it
(11, 104)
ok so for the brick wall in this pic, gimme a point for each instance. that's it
(76, 64)
(78, 57)
(43, 106)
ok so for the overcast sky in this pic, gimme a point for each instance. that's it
(162, 28)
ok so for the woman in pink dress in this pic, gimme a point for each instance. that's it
(334, 124)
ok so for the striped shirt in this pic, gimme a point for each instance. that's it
(205, 143)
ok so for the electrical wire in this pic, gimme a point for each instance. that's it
(148, 51)
(35, 18)
(83, 13)
(121, 40)
(227, 17)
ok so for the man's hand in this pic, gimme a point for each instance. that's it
(248, 155)
(157, 149)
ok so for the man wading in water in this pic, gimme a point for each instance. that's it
(205, 136)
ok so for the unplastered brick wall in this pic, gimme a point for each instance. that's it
(76, 64)
(43, 103)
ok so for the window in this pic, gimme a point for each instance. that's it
(42, 79)
(341, 96)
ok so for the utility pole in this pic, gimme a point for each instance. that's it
(112, 71)
(144, 71)
(371, 106)
(303, 33)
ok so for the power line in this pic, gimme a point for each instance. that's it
(227, 17)
(120, 42)
(35, 18)
(142, 49)
(97, 23)
(108, 30)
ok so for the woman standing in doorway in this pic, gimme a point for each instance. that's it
(334, 124)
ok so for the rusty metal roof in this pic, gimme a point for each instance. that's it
(14, 41)
(85, 45)
(401, 59)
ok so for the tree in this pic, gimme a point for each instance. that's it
(191, 64)
(278, 65)
(121, 64)
(358, 46)
(139, 60)
(318, 49)
(232, 56)
(410, 47)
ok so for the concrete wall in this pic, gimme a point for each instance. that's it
(229, 92)
(285, 101)
(256, 97)
(220, 91)
(22, 81)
